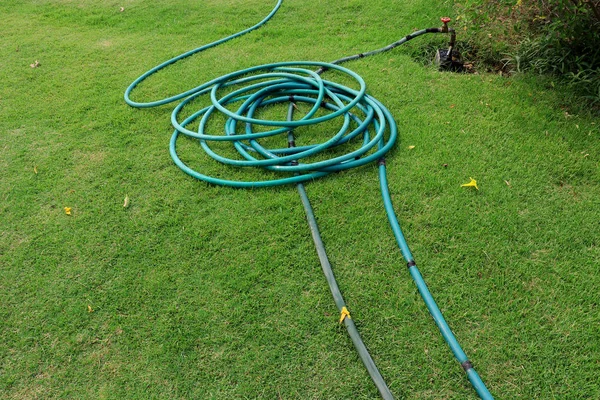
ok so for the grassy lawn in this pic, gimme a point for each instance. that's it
(196, 291)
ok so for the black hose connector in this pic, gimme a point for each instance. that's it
(467, 365)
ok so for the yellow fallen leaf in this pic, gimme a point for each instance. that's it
(90, 308)
(126, 202)
(35, 169)
(68, 210)
(345, 313)
(473, 183)
(411, 147)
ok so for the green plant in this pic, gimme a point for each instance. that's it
(558, 37)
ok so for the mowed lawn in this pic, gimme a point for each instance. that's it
(193, 291)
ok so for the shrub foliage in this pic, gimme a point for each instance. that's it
(560, 37)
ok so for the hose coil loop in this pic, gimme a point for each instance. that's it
(250, 91)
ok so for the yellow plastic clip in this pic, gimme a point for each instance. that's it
(345, 313)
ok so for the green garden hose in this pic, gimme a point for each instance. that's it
(367, 131)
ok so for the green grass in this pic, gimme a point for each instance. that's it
(208, 292)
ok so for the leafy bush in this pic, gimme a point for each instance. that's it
(560, 37)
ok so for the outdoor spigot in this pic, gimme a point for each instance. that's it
(448, 59)
(445, 20)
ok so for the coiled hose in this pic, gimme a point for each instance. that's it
(367, 131)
